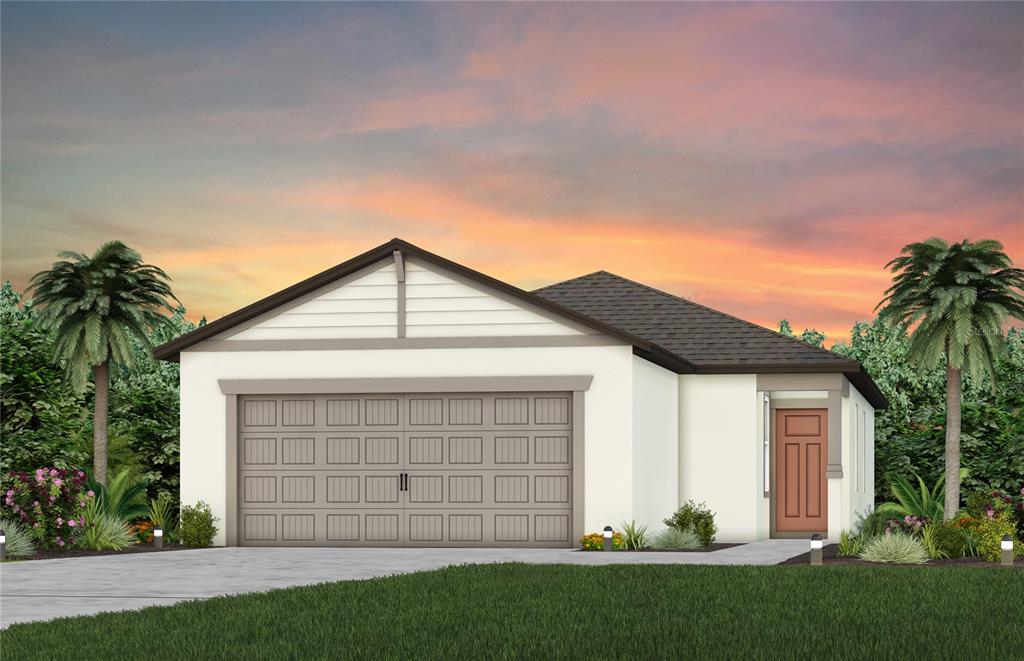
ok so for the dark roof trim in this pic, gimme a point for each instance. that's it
(172, 349)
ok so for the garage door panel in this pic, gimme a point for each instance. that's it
(483, 469)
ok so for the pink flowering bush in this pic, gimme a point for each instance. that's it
(50, 503)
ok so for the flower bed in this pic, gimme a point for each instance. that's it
(830, 556)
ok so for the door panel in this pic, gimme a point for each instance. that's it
(464, 469)
(801, 451)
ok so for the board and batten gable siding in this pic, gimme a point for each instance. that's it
(439, 304)
(365, 306)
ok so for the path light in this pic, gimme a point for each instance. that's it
(608, 538)
(1006, 546)
(158, 538)
(815, 549)
(3, 545)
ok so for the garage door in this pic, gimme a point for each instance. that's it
(471, 469)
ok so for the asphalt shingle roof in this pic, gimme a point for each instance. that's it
(693, 332)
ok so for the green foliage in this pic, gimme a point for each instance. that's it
(990, 537)
(676, 540)
(921, 501)
(909, 435)
(198, 525)
(696, 518)
(97, 304)
(871, 524)
(930, 541)
(124, 497)
(595, 541)
(958, 295)
(896, 547)
(849, 545)
(105, 531)
(161, 514)
(45, 423)
(948, 539)
(634, 536)
(20, 542)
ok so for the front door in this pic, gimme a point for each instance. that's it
(801, 452)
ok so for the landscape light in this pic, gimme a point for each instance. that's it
(816, 545)
(3, 545)
(158, 538)
(1006, 546)
(608, 533)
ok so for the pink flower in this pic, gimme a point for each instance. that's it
(35, 525)
(10, 492)
(60, 542)
(989, 512)
(71, 523)
(81, 474)
(53, 472)
(40, 478)
(57, 482)
(81, 520)
(90, 493)
(59, 520)
(81, 503)
(35, 504)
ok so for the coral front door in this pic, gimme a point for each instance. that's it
(801, 452)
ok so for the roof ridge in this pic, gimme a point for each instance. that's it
(719, 313)
(562, 282)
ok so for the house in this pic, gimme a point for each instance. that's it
(400, 398)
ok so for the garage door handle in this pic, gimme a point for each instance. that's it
(403, 482)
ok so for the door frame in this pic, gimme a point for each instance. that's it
(832, 419)
(577, 385)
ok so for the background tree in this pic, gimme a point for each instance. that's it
(958, 295)
(95, 307)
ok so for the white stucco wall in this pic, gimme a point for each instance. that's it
(858, 458)
(655, 443)
(608, 457)
(719, 450)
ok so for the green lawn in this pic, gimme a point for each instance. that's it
(516, 610)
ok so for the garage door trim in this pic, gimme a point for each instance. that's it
(577, 385)
(405, 385)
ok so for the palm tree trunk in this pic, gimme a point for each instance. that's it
(952, 442)
(101, 375)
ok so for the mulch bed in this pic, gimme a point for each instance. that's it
(830, 556)
(48, 554)
(703, 549)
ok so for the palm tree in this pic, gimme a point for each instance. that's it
(959, 295)
(96, 305)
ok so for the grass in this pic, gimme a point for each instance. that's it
(618, 611)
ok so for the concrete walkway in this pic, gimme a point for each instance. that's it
(46, 589)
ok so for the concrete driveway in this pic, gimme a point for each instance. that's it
(47, 589)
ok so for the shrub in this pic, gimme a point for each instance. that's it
(929, 539)
(948, 538)
(849, 545)
(595, 541)
(918, 501)
(162, 515)
(872, 524)
(676, 540)
(895, 547)
(104, 531)
(50, 503)
(124, 497)
(990, 537)
(695, 518)
(198, 525)
(19, 539)
(143, 531)
(634, 536)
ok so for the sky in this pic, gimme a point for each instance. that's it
(766, 160)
